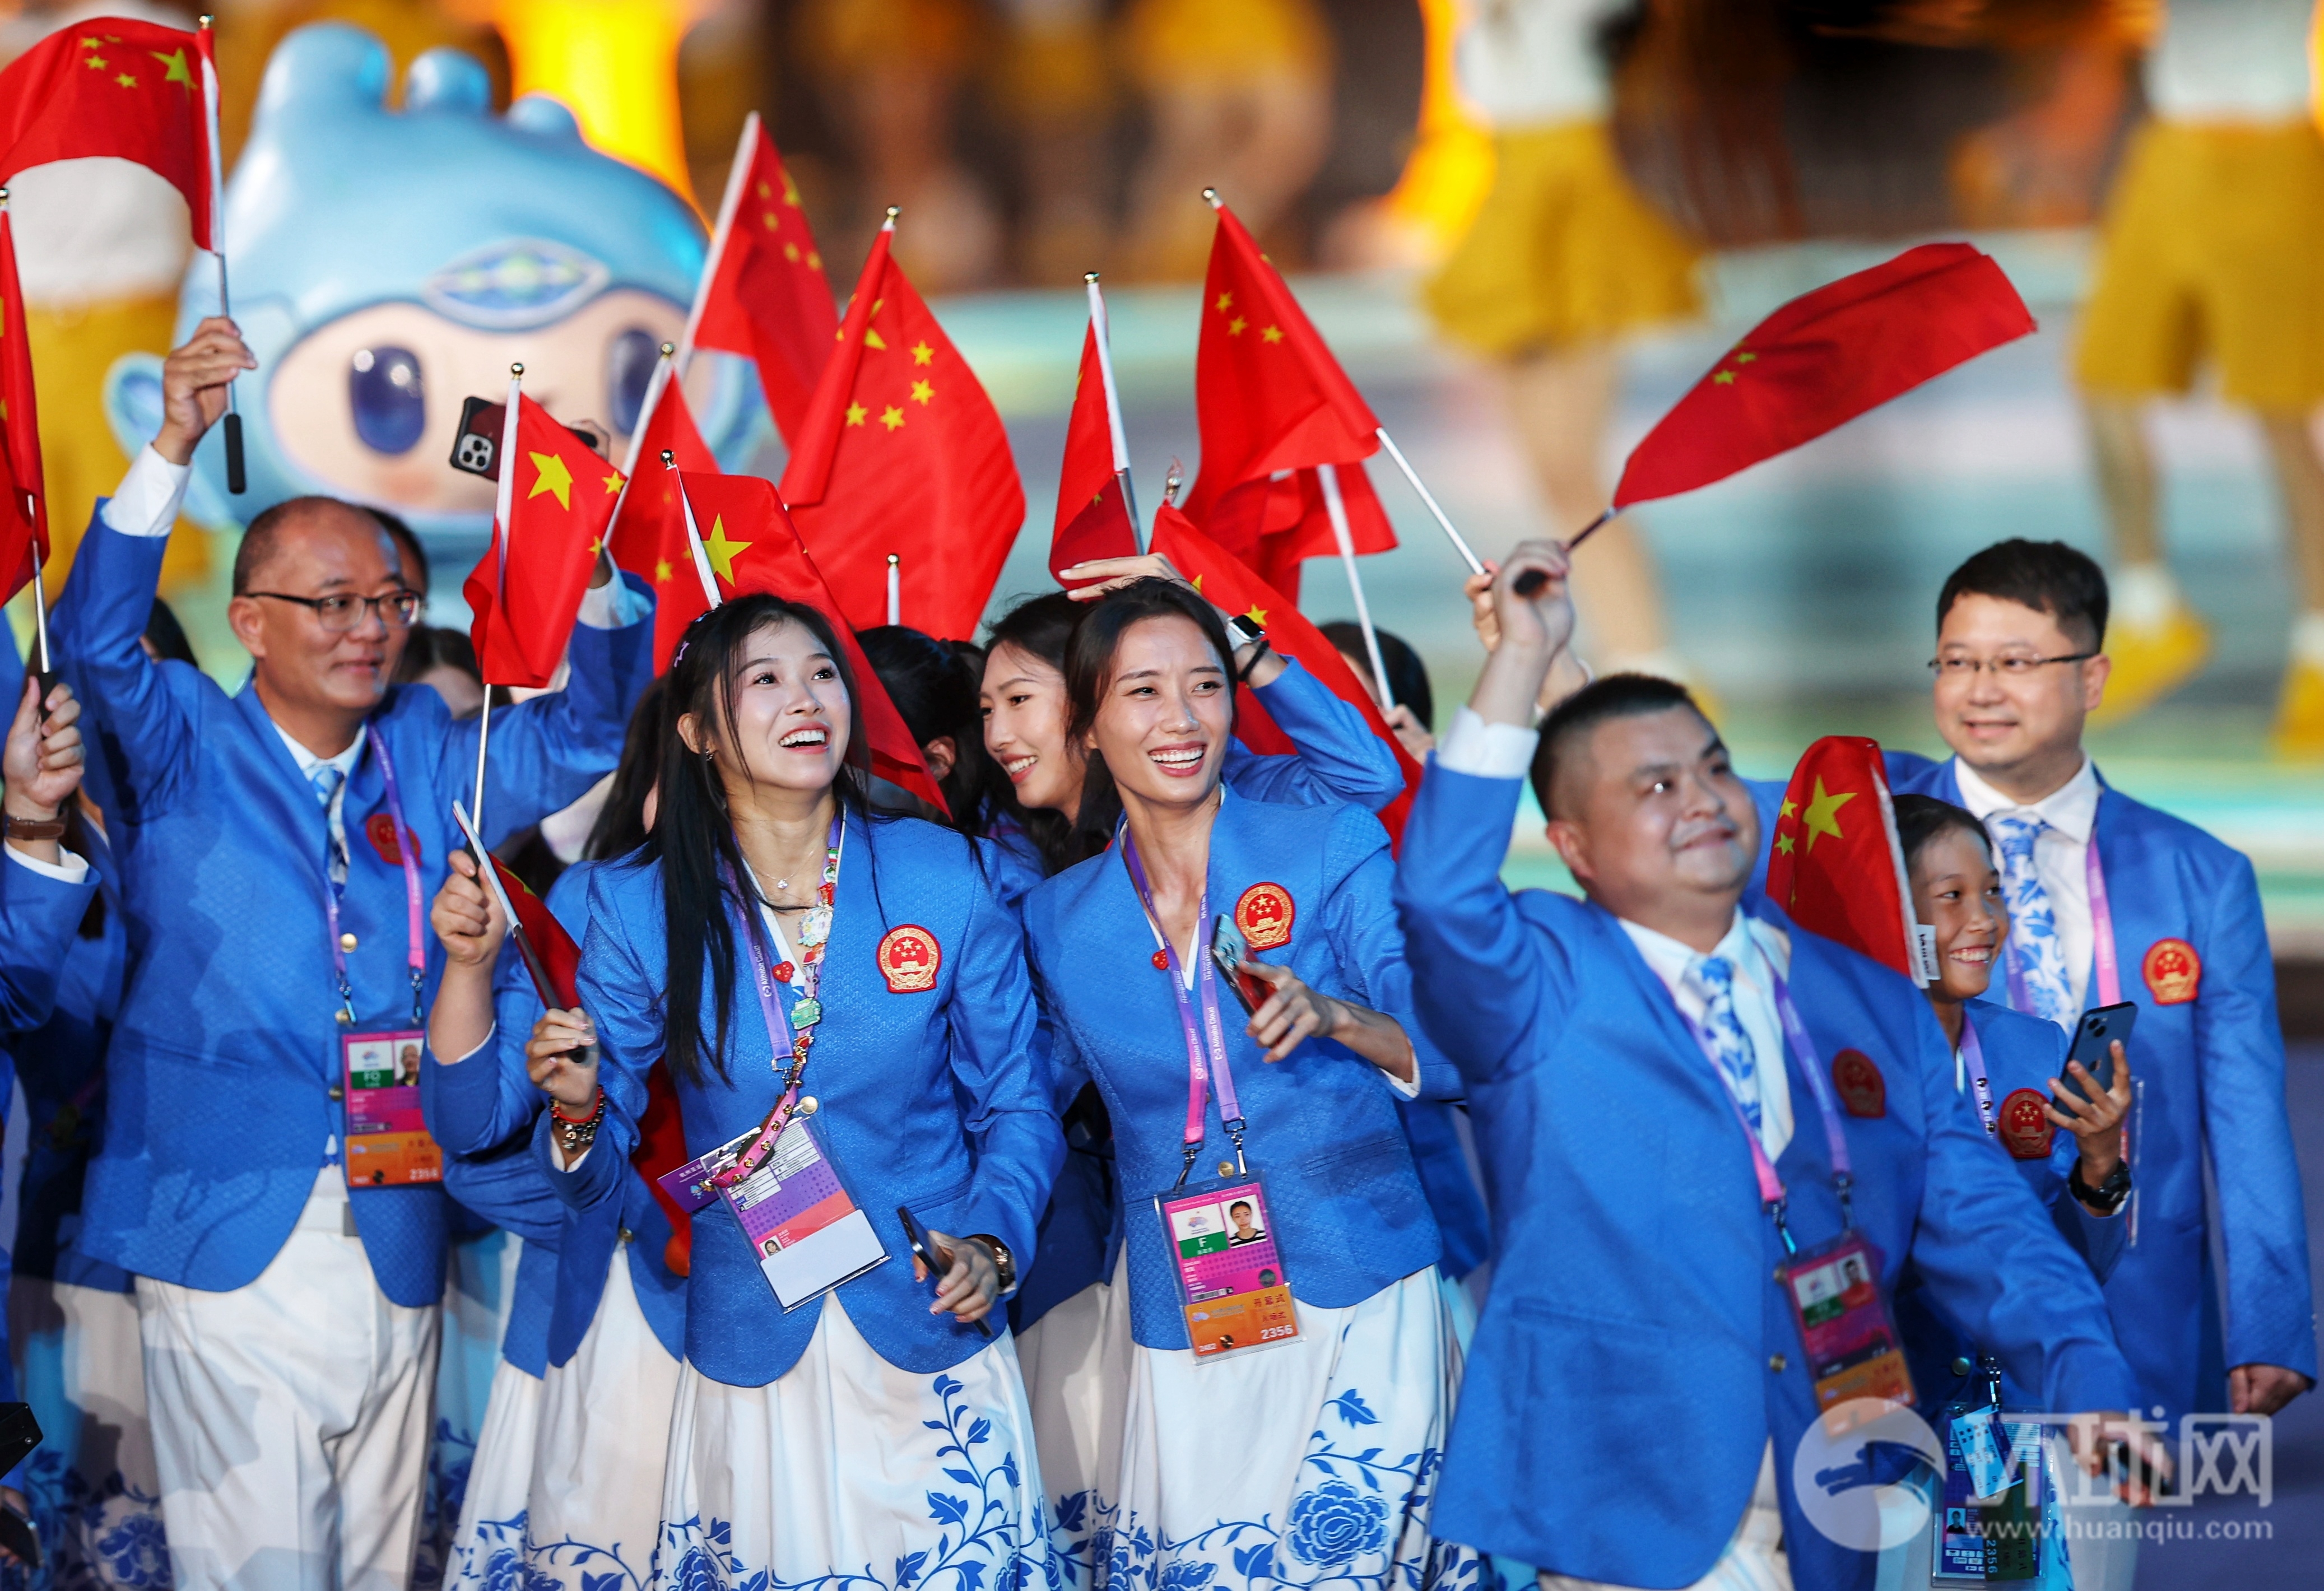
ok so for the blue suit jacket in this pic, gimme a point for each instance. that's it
(483, 1111)
(225, 1070)
(39, 916)
(936, 1099)
(1617, 1170)
(1350, 1213)
(2210, 1078)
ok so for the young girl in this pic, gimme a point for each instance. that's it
(825, 986)
(1313, 1460)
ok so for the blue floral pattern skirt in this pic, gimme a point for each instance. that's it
(847, 1473)
(488, 1544)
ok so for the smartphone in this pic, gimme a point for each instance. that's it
(1229, 950)
(2094, 1036)
(924, 1252)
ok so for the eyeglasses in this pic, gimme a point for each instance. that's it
(397, 609)
(2016, 665)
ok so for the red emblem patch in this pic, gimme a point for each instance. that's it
(2173, 971)
(1265, 914)
(1863, 1092)
(2024, 1125)
(380, 830)
(910, 957)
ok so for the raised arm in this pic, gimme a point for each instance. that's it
(1339, 757)
(44, 890)
(621, 1028)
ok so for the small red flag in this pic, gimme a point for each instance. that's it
(113, 87)
(525, 591)
(902, 452)
(752, 546)
(1093, 519)
(1228, 583)
(1823, 358)
(769, 299)
(560, 957)
(647, 537)
(24, 512)
(1272, 403)
(1838, 868)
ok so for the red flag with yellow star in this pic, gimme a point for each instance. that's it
(752, 546)
(112, 86)
(23, 496)
(525, 591)
(769, 299)
(1823, 358)
(902, 452)
(1229, 583)
(1273, 404)
(1838, 868)
(648, 537)
(1093, 519)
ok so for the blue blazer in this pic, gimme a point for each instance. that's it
(2211, 1078)
(223, 1073)
(39, 917)
(937, 1098)
(483, 1110)
(1616, 1168)
(1349, 1212)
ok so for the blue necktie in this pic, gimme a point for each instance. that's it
(2042, 989)
(1731, 1046)
(326, 780)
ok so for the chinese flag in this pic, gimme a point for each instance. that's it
(525, 591)
(752, 546)
(1229, 583)
(648, 537)
(902, 452)
(1823, 358)
(769, 300)
(24, 512)
(1838, 868)
(112, 86)
(1272, 404)
(1093, 519)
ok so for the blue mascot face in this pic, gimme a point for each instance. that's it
(386, 265)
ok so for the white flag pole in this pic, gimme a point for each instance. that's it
(694, 536)
(1328, 477)
(237, 478)
(1444, 524)
(503, 505)
(746, 149)
(895, 590)
(1116, 433)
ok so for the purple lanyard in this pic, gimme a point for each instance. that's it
(779, 1034)
(417, 957)
(1773, 1196)
(1972, 1052)
(1211, 1032)
(2102, 947)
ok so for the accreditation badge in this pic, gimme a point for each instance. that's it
(387, 1140)
(1993, 1515)
(1853, 1347)
(1232, 1287)
(804, 1227)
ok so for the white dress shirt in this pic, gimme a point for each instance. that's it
(1486, 750)
(1760, 953)
(2061, 856)
(68, 868)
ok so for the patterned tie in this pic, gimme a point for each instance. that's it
(1731, 1046)
(326, 781)
(2040, 987)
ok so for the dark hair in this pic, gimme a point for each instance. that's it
(1922, 818)
(934, 685)
(2047, 576)
(1043, 627)
(1407, 676)
(407, 540)
(621, 826)
(1617, 695)
(167, 637)
(434, 646)
(1096, 641)
(258, 541)
(693, 838)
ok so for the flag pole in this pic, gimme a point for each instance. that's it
(1328, 477)
(895, 590)
(693, 536)
(654, 385)
(746, 148)
(504, 506)
(1115, 431)
(1443, 523)
(1533, 580)
(40, 621)
(237, 477)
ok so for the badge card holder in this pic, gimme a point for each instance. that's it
(1233, 1285)
(387, 1140)
(803, 1226)
(1853, 1347)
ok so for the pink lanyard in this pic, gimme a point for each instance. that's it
(1972, 1050)
(417, 956)
(2102, 950)
(1211, 1034)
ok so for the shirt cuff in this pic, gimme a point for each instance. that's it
(1404, 1090)
(611, 606)
(72, 869)
(147, 500)
(1486, 750)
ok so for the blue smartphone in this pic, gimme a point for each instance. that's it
(2095, 1037)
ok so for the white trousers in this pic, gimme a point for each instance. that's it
(1753, 1559)
(290, 1417)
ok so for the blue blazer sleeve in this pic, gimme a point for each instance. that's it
(626, 1007)
(479, 1102)
(142, 714)
(507, 1188)
(1340, 759)
(1000, 1063)
(39, 916)
(1361, 921)
(1484, 980)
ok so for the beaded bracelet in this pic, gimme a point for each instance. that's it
(577, 1133)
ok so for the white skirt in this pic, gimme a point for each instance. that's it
(479, 1289)
(488, 1545)
(1311, 1463)
(595, 1504)
(1077, 1360)
(847, 1473)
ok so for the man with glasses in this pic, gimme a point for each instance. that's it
(2110, 900)
(277, 847)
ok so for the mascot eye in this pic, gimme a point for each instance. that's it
(386, 394)
(628, 368)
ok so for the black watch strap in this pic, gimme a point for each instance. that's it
(2108, 1195)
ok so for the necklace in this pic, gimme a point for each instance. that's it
(806, 977)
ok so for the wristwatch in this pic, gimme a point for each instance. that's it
(2107, 1197)
(1241, 632)
(1004, 1262)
